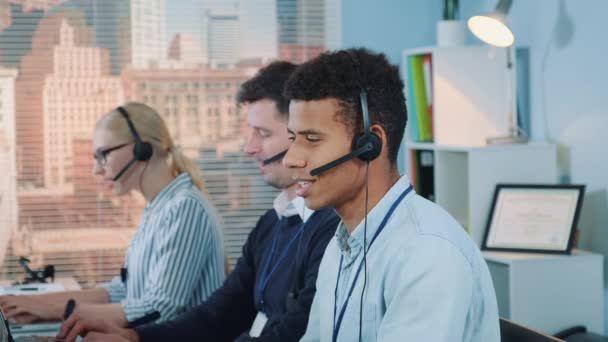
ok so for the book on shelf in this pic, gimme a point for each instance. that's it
(411, 101)
(420, 97)
(422, 173)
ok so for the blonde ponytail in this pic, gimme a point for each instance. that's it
(180, 163)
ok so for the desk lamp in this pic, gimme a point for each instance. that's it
(493, 29)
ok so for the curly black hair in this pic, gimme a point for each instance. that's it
(341, 75)
(268, 83)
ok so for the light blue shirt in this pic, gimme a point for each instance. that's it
(176, 258)
(426, 279)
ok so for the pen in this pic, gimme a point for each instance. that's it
(148, 318)
(28, 289)
(69, 308)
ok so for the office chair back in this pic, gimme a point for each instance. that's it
(513, 332)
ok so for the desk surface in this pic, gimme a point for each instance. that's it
(509, 257)
(42, 329)
(69, 283)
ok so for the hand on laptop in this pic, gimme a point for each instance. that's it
(30, 309)
(94, 330)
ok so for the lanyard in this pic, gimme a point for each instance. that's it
(350, 292)
(265, 276)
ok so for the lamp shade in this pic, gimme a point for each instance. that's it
(493, 27)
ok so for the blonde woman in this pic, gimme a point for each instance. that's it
(175, 259)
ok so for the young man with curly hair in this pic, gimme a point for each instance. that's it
(267, 296)
(399, 268)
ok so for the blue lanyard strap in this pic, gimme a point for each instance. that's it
(352, 287)
(265, 275)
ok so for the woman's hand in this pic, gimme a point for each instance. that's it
(30, 309)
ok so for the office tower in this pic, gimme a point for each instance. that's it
(133, 30)
(148, 32)
(27, 6)
(20, 24)
(8, 188)
(301, 29)
(221, 34)
(63, 87)
(197, 104)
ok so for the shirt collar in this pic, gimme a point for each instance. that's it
(286, 208)
(351, 245)
(181, 181)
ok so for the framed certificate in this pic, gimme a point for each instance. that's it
(533, 218)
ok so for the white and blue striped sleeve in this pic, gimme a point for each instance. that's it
(185, 245)
(116, 289)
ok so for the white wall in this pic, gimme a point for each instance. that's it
(569, 68)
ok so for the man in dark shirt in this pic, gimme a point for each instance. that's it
(268, 295)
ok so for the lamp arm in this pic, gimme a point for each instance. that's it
(503, 6)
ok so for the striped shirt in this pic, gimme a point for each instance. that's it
(176, 258)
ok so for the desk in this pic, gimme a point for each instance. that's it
(69, 283)
(42, 329)
(549, 292)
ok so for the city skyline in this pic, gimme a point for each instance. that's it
(63, 63)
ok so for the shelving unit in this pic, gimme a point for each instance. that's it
(470, 95)
(464, 178)
(549, 292)
(469, 101)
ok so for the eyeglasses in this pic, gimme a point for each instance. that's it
(101, 154)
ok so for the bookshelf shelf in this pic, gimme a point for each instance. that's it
(462, 179)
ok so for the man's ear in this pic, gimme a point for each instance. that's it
(381, 133)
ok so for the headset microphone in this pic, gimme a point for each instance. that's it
(274, 158)
(354, 154)
(124, 169)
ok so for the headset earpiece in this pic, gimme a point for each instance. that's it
(372, 138)
(142, 151)
(367, 137)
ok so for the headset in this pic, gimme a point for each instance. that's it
(366, 145)
(274, 158)
(142, 151)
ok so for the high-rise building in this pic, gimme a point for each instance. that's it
(197, 104)
(301, 29)
(221, 32)
(148, 32)
(16, 22)
(8, 189)
(27, 6)
(63, 87)
(133, 30)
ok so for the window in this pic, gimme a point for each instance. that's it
(62, 216)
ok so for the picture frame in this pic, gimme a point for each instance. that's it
(533, 218)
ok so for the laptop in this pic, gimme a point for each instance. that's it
(6, 335)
